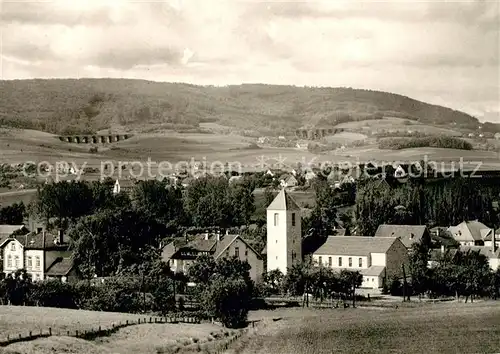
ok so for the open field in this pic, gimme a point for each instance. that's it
(144, 338)
(22, 319)
(373, 126)
(429, 328)
(179, 149)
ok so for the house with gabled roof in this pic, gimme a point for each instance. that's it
(378, 259)
(470, 233)
(288, 181)
(38, 252)
(123, 186)
(408, 234)
(180, 257)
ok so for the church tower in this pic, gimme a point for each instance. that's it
(284, 233)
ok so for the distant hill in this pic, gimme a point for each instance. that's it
(87, 105)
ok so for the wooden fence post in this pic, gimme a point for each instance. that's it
(76, 333)
(68, 333)
(30, 334)
(50, 331)
(99, 328)
(126, 322)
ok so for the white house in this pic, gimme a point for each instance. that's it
(470, 233)
(284, 233)
(42, 254)
(302, 145)
(378, 259)
(124, 185)
(400, 172)
(289, 181)
(309, 176)
(235, 179)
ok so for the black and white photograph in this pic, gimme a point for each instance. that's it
(249, 176)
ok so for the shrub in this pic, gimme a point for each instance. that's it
(227, 299)
(54, 293)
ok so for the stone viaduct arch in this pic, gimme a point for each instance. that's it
(94, 139)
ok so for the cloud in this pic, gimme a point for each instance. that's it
(434, 51)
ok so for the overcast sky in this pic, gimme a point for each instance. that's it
(440, 52)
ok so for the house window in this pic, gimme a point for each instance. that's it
(350, 261)
(320, 260)
(9, 261)
(227, 254)
(12, 246)
(360, 262)
(276, 219)
(246, 252)
(293, 255)
(276, 257)
(16, 260)
(37, 262)
(237, 252)
(30, 262)
(329, 261)
(340, 261)
(293, 219)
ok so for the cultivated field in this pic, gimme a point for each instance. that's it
(373, 126)
(429, 328)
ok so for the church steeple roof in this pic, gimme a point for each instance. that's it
(283, 201)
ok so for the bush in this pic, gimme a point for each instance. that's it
(53, 293)
(227, 299)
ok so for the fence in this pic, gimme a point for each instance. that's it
(95, 332)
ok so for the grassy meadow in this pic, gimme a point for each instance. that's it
(144, 338)
(429, 328)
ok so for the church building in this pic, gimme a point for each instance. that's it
(284, 233)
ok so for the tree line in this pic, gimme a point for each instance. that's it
(446, 202)
(455, 273)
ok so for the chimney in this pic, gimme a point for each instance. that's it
(442, 249)
(60, 237)
(493, 242)
(218, 235)
(207, 235)
(227, 232)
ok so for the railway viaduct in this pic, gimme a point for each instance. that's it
(94, 139)
(316, 133)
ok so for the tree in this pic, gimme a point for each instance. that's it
(242, 203)
(64, 200)
(224, 288)
(350, 281)
(227, 299)
(18, 287)
(114, 242)
(13, 214)
(419, 271)
(160, 201)
(274, 281)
